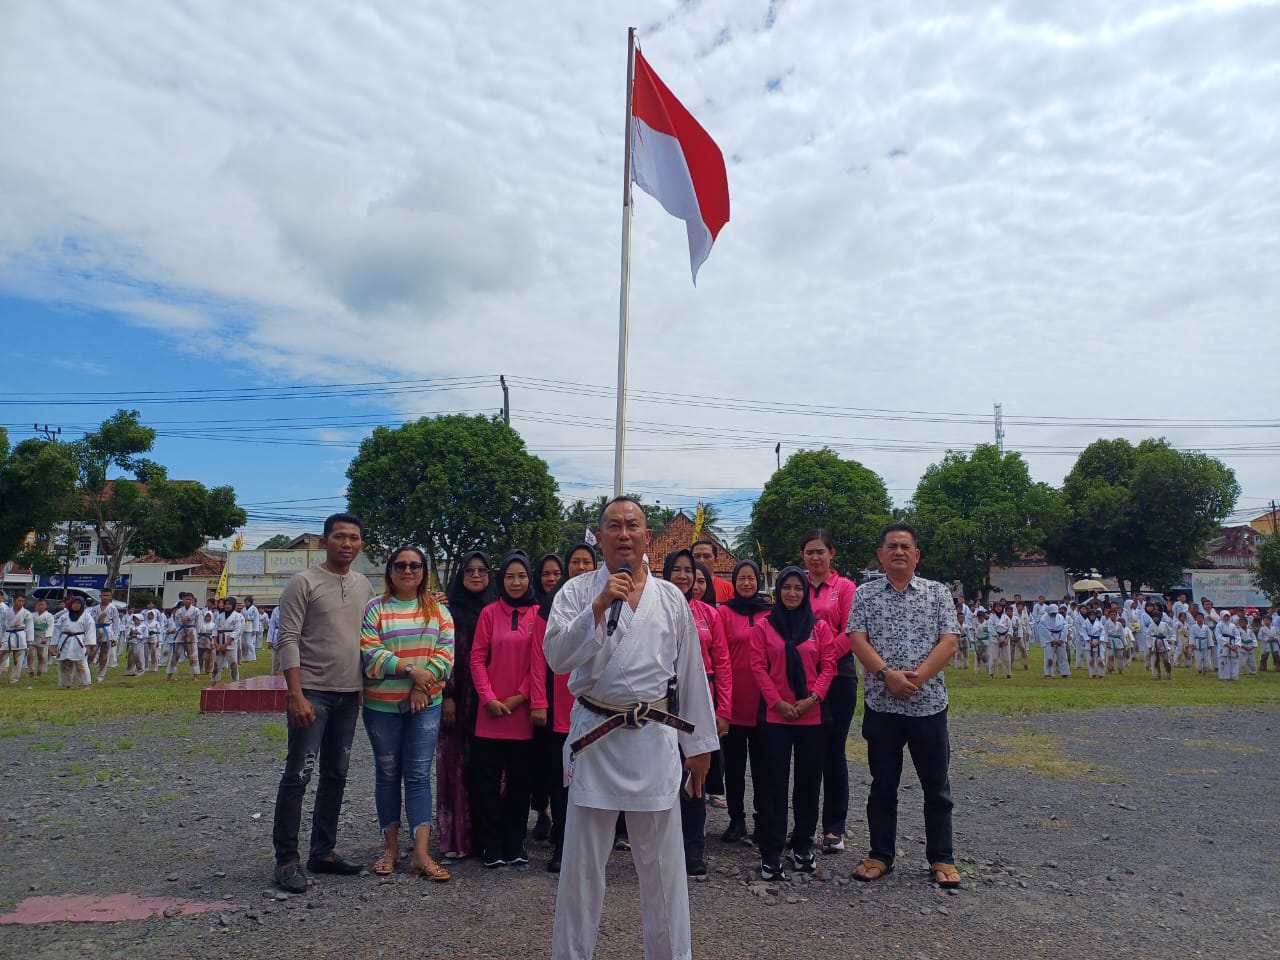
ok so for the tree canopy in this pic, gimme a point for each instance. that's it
(1267, 577)
(1141, 513)
(815, 488)
(278, 542)
(979, 510)
(140, 509)
(37, 488)
(451, 484)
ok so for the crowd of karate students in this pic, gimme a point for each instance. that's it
(1105, 636)
(85, 640)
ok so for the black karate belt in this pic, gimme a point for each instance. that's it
(634, 716)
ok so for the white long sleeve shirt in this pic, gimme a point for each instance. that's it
(230, 626)
(630, 769)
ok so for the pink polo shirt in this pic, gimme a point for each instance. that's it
(831, 601)
(715, 654)
(745, 694)
(769, 666)
(502, 665)
(559, 697)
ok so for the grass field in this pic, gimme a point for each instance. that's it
(28, 703)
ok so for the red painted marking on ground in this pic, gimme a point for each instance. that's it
(74, 908)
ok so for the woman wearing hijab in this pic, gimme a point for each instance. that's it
(704, 590)
(72, 631)
(831, 596)
(547, 574)
(739, 616)
(502, 669)
(793, 660)
(469, 593)
(678, 569)
(580, 559)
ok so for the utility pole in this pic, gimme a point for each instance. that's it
(50, 433)
(777, 452)
(1000, 427)
(1273, 518)
(506, 401)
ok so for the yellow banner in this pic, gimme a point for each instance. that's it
(222, 580)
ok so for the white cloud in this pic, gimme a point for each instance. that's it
(1074, 210)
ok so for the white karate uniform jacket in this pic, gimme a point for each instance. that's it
(630, 769)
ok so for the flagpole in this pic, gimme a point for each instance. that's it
(624, 292)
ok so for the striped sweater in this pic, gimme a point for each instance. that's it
(394, 634)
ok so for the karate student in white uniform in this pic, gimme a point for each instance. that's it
(1095, 638)
(185, 618)
(1202, 641)
(636, 770)
(73, 631)
(18, 624)
(1249, 647)
(1161, 636)
(273, 637)
(1118, 640)
(1021, 620)
(107, 617)
(1051, 632)
(1228, 646)
(226, 645)
(249, 635)
(1269, 642)
(1000, 649)
(42, 633)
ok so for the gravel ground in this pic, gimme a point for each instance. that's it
(1154, 839)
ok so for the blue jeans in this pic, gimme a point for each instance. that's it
(404, 746)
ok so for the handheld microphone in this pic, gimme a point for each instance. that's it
(615, 608)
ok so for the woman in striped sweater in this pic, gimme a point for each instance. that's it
(406, 647)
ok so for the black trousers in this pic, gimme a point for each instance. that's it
(693, 821)
(544, 768)
(738, 746)
(326, 743)
(926, 737)
(837, 716)
(558, 792)
(778, 743)
(501, 816)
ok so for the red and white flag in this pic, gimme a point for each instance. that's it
(675, 161)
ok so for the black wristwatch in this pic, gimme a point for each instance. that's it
(879, 674)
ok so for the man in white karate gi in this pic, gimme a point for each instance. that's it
(627, 736)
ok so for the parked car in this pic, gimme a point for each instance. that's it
(51, 596)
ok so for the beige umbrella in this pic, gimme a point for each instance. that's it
(1088, 585)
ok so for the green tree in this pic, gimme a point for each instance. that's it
(451, 484)
(1141, 513)
(980, 510)
(37, 490)
(140, 508)
(815, 488)
(278, 542)
(1267, 577)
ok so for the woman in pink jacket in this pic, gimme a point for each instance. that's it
(793, 660)
(502, 670)
(739, 616)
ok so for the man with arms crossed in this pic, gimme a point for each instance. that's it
(320, 614)
(642, 703)
(904, 631)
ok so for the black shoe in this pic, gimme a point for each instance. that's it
(518, 857)
(553, 865)
(493, 861)
(696, 869)
(289, 877)
(772, 871)
(736, 833)
(541, 829)
(334, 864)
(803, 861)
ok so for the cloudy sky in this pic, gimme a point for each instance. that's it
(936, 206)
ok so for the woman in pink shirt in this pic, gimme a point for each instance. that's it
(502, 671)
(793, 660)
(739, 616)
(545, 759)
(831, 596)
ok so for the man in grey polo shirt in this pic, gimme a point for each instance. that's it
(904, 631)
(321, 611)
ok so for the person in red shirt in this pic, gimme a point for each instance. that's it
(739, 616)
(793, 660)
(502, 671)
(706, 551)
(831, 597)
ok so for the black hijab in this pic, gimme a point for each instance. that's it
(795, 627)
(464, 605)
(709, 594)
(669, 565)
(535, 578)
(527, 599)
(746, 606)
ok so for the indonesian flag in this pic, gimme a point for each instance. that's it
(676, 162)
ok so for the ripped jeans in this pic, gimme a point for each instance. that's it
(404, 746)
(325, 744)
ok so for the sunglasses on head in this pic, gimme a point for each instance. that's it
(402, 565)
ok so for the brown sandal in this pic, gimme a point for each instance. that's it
(432, 871)
(883, 870)
(385, 865)
(945, 875)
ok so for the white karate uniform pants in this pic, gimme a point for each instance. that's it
(657, 849)
(1228, 667)
(247, 649)
(226, 661)
(1249, 658)
(1001, 659)
(1056, 657)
